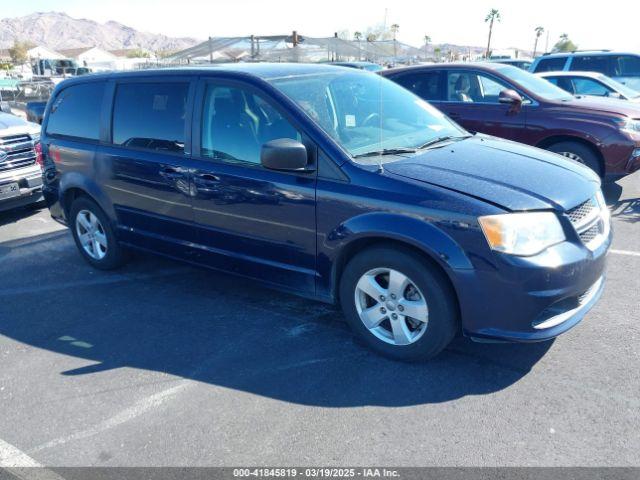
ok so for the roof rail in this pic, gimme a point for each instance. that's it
(591, 50)
(578, 51)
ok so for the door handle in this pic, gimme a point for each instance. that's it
(208, 177)
(171, 172)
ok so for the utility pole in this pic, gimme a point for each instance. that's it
(210, 51)
(546, 46)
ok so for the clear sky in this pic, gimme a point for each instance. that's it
(613, 24)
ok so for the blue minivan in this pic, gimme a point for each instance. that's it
(335, 184)
(622, 67)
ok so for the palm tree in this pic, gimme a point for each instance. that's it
(357, 36)
(539, 32)
(394, 29)
(427, 41)
(493, 15)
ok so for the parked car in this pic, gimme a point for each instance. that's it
(334, 184)
(20, 159)
(623, 67)
(514, 62)
(591, 83)
(507, 102)
(369, 66)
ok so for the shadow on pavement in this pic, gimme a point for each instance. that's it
(16, 214)
(627, 209)
(161, 316)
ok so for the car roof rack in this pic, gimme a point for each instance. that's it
(591, 50)
(594, 50)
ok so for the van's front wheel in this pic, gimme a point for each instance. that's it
(94, 235)
(398, 304)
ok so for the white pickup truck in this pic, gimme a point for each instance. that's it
(20, 170)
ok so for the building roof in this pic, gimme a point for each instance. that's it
(74, 52)
(123, 52)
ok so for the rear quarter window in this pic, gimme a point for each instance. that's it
(76, 111)
(550, 64)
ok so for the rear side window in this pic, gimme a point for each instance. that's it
(76, 111)
(426, 85)
(627, 66)
(593, 63)
(550, 64)
(150, 116)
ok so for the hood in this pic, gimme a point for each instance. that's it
(11, 124)
(612, 106)
(508, 174)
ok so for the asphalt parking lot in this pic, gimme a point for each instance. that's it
(165, 364)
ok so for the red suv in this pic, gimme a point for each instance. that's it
(508, 102)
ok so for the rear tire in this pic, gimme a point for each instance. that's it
(578, 152)
(385, 293)
(94, 235)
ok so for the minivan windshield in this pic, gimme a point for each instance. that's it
(536, 85)
(367, 114)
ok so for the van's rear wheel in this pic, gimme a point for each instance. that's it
(578, 152)
(398, 304)
(94, 235)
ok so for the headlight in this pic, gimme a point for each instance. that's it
(631, 126)
(522, 234)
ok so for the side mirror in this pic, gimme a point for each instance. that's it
(284, 154)
(614, 95)
(510, 97)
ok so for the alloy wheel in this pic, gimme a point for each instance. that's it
(391, 306)
(572, 156)
(91, 234)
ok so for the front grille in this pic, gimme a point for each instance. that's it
(18, 152)
(590, 234)
(589, 223)
(586, 209)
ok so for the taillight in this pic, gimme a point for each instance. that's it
(39, 160)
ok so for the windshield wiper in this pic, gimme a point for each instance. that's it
(386, 151)
(443, 138)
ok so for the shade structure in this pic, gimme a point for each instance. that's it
(297, 48)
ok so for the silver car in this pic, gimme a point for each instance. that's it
(20, 171)
(591, 83)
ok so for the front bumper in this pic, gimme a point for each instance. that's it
(29, 181)
(532, 299)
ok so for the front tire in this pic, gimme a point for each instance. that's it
(578, 152)
(94, 235)
(398, 304)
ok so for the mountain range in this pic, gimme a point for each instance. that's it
(59, 31)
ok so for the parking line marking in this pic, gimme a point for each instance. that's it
(20, 465)
(625, 252)
(11, 456)
(140, 407)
